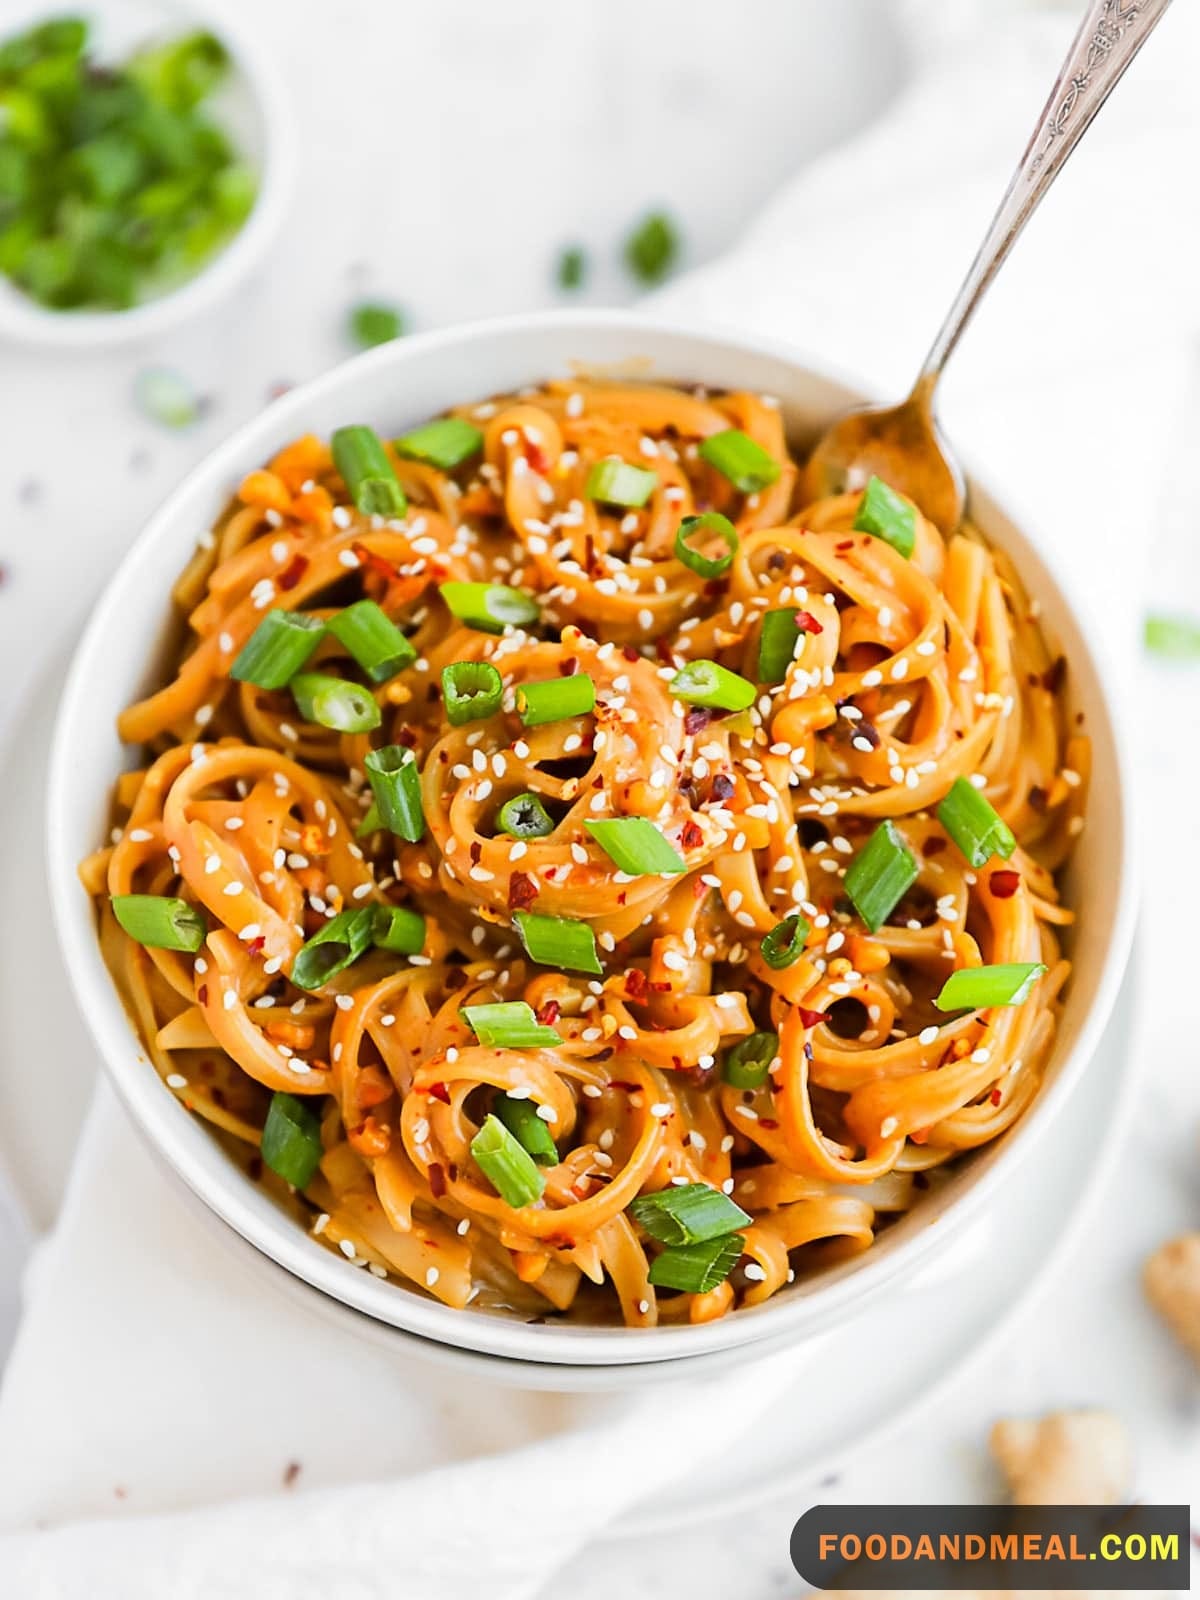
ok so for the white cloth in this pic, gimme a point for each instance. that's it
(154, 1362)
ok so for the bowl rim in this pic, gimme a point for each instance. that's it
(23, 321)
(204, 1167)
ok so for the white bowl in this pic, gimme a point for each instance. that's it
(251, 106)
(394, 387)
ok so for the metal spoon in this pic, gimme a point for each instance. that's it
(903, 444)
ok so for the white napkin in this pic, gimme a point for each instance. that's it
(156, 1365)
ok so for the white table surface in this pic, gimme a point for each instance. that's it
(560, 124)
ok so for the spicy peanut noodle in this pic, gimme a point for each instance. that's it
(843, 736)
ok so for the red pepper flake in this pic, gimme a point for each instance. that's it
(843, 545)
(548, 1014)
(691, 836)
(568, 667)
(662, 987)
(454, 980)
(662, 649)
(376, 563)
(934, 845)
(1004, 884)
(439, 1091)
(1038, 799)
(522, 891)
(257, 945)
(293, 572)
(767, 1122)
(636, 984)
(699, 888)
(202, 994)
(536, 456)
(722, 787)
(1055, 674)
(290, 1473)
(437, 1180)
(476, 851)
(631, 653)
(807, 623)
(810, 1019)
(581, 1188)
(619, 1083)
(995, 1097)
(696, 719)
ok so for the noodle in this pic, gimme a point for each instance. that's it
(909, 674)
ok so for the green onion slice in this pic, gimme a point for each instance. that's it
(711, 522)
(651, 249)
(291, 1139)
(1177, 638)
(471, 690)
(687, 1214)
(976, 828)
(616, 483)
(749, 1062)
(508, 1024)
(777, 641)
(697, 1268)
(558, 942)
(738, 457)
(880, 875)
(371, 822)
(335, 703)
(521, 1119)
(160, 921)
(399, 929)
(334, 947)
(975, 988)
(359, 456)
(636, 846)
(785, 942)
(525, 817)
(883, 514)
(555, 699)
(373, 323)
(444, 444)
(277, 649)
(490, 607)
(708, 683)
(506, 1164)
(395, 781)
(373, 639)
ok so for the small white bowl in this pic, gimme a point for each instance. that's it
(251, 107)
(395, 387)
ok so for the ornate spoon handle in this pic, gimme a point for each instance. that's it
(1110, 35)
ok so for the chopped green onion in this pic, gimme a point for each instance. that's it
(616, 483)
(490, 607)
(777, 641)
(709, 522)
(741, 459)
(1176, 637)
(508, 1024)
(333, 948)
(398, 929)
(976, 828)
(506, 1164)
(369, 475)
(444, 444)
(976, 988)
(160, 921)
(636, 846)
(572, 268)
(880, 875)
(373, 639)
(471, 690)
(558, 942)
(372, 324)
(784, 945)
(708, 683)
(521, 1119)
(395, 781)
(687, 1214)
(555, 699)
(277, 649)
(291, 1140)
(335, 702)
(749, 1062)
(652, 248)
(167, 397)
(697, 1268)
(525, 817)
(371, 822)
(883, 514)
